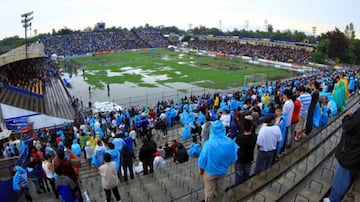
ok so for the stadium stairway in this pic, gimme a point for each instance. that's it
(23, 101)
(304, 173)
(57, 102)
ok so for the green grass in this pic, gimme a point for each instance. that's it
(201, 71)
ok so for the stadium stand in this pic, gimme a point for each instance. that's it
(303, 173)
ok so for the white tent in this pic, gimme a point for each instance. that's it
(38, 120)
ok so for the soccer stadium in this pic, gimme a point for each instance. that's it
(138, 115)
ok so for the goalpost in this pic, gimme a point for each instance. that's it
(254, 79)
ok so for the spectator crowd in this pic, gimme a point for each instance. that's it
(283, 111)
(269, 52)
(99, 41)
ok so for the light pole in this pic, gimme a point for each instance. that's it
(26, 23)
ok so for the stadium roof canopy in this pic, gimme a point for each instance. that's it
(35, 50)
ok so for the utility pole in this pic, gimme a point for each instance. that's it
(26, 23)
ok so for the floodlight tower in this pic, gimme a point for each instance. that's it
(26, 23)
(246, 24)
(266, 25)
(220, 23)
(314, 32)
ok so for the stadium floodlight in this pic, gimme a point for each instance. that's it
(25, 15)
(27, 23)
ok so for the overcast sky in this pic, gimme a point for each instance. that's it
(282, 14)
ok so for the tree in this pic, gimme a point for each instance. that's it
(186, 38)
(338, 44)
(65, 31)
(88, 29)
(350, 31)
(318, 57)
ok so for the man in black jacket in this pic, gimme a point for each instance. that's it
(181, 155)
(146, 156)
(348, 155)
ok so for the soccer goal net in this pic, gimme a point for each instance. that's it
(254, 79)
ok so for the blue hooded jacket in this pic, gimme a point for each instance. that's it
(20, 177)
(219, 152)
(75, 148)
(115, 156)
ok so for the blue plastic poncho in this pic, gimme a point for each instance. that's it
(184, 118)
(213, 115)
(194, 150)
(317, 115)
(118, 143)
(265, 111)
(186, 132)
(98, 157)
(61, 134)
(324, 116)
(20, 177)
(332, 106)
(351, 84)
(219, 152)
(201, 118)
(115, 156)
(100, 132)
(282, 126)
(75, 148)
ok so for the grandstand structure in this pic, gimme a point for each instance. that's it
(45, 96)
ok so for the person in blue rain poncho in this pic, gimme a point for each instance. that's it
(115, 156)
(98, 157)
(194, 150)
(217, 154)
(280, 121)
(61, 134)
(21, 182)
(75, 148)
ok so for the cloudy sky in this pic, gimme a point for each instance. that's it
(282, 14)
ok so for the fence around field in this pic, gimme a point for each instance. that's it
(154, 98)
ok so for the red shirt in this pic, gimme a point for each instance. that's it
(173, 147)
(58, 139)
(296, 112)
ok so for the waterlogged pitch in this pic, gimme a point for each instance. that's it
(156, 68)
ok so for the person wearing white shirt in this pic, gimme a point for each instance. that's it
(159, 161)
(288, 110)
(267, 140)
(225, 118)
(49, 171)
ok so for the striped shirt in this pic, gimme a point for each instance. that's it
(305, 100)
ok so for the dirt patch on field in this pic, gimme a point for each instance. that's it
(231, 67)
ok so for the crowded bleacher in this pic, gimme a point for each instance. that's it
(28, 76)
(90, 42)
(92, 136)
(264, 51)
